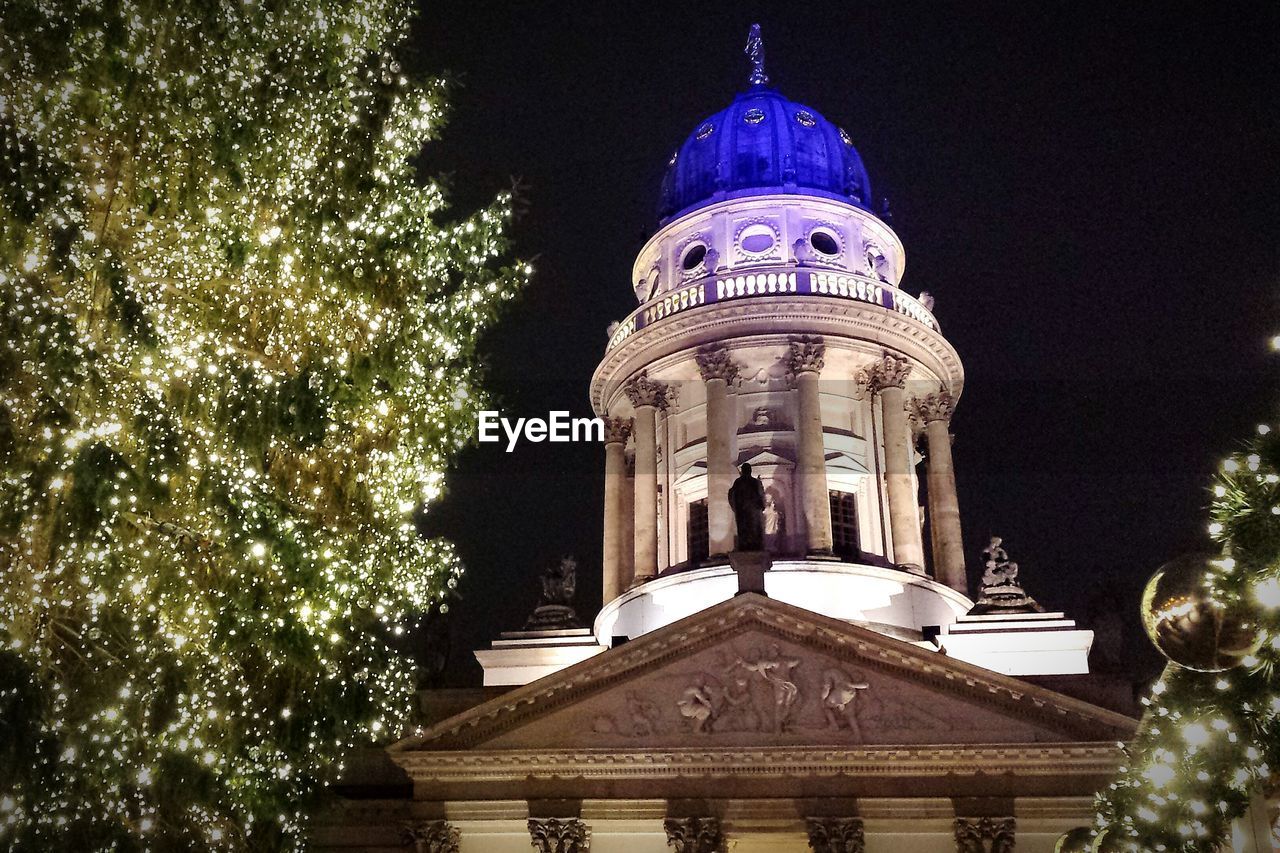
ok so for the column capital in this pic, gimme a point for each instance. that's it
(836, 834)
(617, 430)
(938, 406)
(985, 834)
(643, 391)
(806, 355)
(559, 835)
(889, 371)
(694, 834)
(714, 363)
(430, 836)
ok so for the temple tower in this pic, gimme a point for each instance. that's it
(772, 329)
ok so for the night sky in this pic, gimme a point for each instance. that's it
(1090, 193)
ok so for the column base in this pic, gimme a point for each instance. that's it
(913, 568)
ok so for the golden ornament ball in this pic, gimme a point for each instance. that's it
(1077, 840)
(1189, 625)
(1112, 841)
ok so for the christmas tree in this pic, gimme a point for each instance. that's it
(239, 350)
(1211, 732)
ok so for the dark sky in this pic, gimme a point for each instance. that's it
(1091, 193)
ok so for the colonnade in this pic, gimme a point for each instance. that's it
(631, 537)
(706, 834)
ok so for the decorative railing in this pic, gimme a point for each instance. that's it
(788, 283)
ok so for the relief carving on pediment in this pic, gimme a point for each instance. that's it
(760, 688)
(771, 688)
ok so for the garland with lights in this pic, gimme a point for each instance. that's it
(239, 351)
(1210, 736)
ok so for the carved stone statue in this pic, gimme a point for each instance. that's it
(1001, 590)
(775, 521)
(555, 608)
(755, 52)
(746, 498)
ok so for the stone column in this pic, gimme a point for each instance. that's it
(718, 370)
(944, 508)
(559, 835)
(805, 361)
(616, 431)
(627, 545)
(836, 834)
(888, 378)
(694, 834)
(430, 836)
(648, 397)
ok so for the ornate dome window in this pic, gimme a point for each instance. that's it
(844, 137)
(693, 257)
(824, 242)
(806, 118)
(706, 130)
(757, 239)
(753, 116)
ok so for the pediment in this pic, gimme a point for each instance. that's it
(754, 672)
(846, 462)
(767, 458)
(695, 471)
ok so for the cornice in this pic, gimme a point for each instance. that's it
(840, 322)
(1052, 760)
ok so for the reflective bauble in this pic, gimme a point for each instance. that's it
(1113, 841)
(1188, 625)
(1077, 840)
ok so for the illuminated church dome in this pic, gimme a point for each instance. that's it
(763, 143)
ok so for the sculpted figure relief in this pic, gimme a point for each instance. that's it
(776, 671)
(840, 700)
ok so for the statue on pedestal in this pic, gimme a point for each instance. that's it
(1001, 590)
(746, 498)
(555, 608)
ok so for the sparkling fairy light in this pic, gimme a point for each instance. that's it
(236, 323)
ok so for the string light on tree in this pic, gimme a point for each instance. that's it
(236, 326)
(1211, 732)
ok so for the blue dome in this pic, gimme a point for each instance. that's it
(763, 143)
